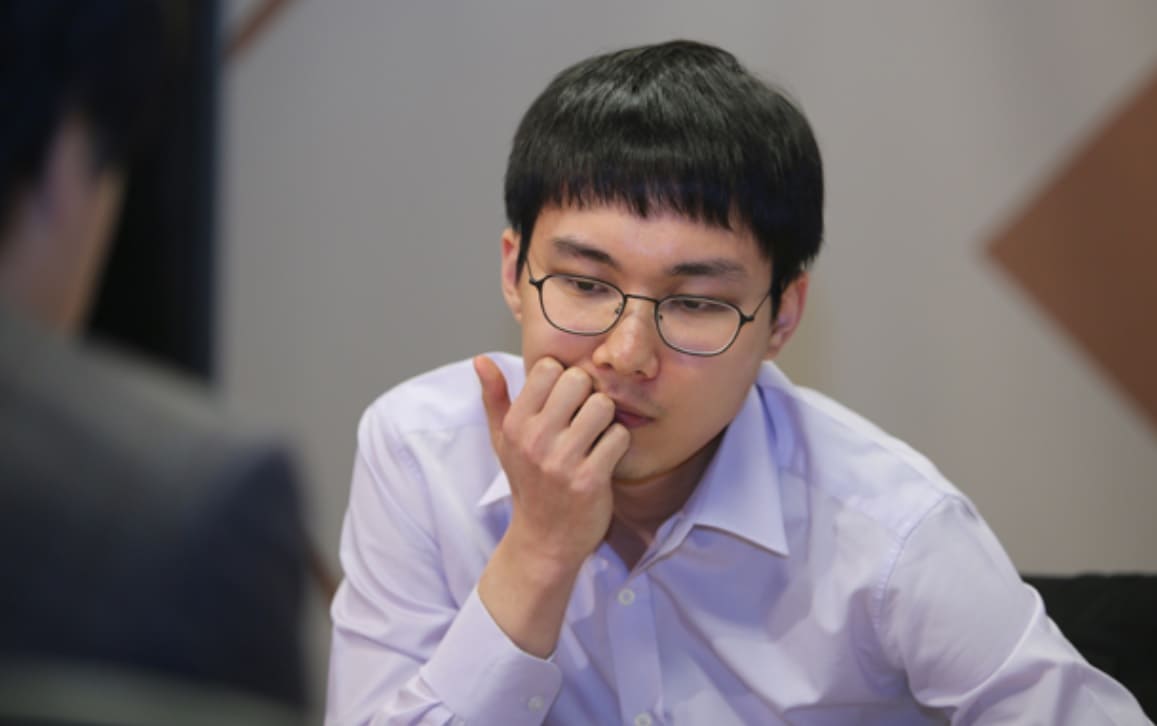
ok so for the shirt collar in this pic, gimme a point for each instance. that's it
(739, 492)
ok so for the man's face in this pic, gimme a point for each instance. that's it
(674, 404)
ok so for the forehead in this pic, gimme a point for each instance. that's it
(617, 237)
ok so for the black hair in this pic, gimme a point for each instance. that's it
(680, 127)
(102, 60)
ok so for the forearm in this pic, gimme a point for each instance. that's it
(558, 444)
(379, 674)
(526, 592)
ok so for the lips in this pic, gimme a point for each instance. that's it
(629, 418)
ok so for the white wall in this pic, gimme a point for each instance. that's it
(364, 150)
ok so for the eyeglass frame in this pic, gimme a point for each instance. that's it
(744, 318)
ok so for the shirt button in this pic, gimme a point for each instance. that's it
(535, 703)
(626, 597)
(643, 719)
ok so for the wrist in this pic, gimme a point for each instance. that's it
(542, 564)
(544, 560)
(527, 594)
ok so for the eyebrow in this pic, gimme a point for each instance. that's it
(574, 248)
(715, 267)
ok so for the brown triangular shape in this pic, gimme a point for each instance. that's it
(1086, 248)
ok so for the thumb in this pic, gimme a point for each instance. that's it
(495, 397)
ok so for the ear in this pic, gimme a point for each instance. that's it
(791, 307)
(510, 244)
(58, 193)
(59, 229)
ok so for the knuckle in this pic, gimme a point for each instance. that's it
(577, 374)
(509, 429)
(619, 436)
(534, 443)
(547, 367)
(587, 477)
(601, 404)
(553, 468)
(581, 475)
(575, 380)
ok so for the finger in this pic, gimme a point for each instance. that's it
(495, 396)
(540, 380)
(570, 392)
(592, 419)
(610, 448)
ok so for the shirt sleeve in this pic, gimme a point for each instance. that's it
(404, 651)
(975, 640)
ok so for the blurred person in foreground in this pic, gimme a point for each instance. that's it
(642, 520)
(139, 533)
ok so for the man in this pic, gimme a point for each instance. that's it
(642, 521)
(139, 534)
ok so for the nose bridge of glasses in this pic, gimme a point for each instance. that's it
(634, 338)
(648, 319)
(627, 296)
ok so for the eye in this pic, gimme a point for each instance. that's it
(696, 307)
(586, 287)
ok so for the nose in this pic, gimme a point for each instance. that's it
(631, 347)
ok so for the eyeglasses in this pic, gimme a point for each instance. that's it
(690, 324)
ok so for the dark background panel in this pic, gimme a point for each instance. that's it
(157, 297)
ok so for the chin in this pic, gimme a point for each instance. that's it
(636, 468)
(628, 467)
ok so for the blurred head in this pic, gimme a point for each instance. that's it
(78, 83)
(678, 127)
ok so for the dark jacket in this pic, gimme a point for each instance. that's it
(137, 529)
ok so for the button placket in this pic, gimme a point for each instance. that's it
(634, 650)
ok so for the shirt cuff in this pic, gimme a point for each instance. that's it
(481, 675)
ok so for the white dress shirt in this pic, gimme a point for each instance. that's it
(821, 573)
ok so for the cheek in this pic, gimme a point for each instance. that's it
(708, 396)
(540, 338)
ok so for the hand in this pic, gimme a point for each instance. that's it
(558, 445)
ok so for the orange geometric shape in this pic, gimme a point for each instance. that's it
(1086, 248)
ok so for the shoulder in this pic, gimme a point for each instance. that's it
(433, 428)
(846, 458)
(424, 457)
(139, 497)
(80, 415)
(443, 399)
